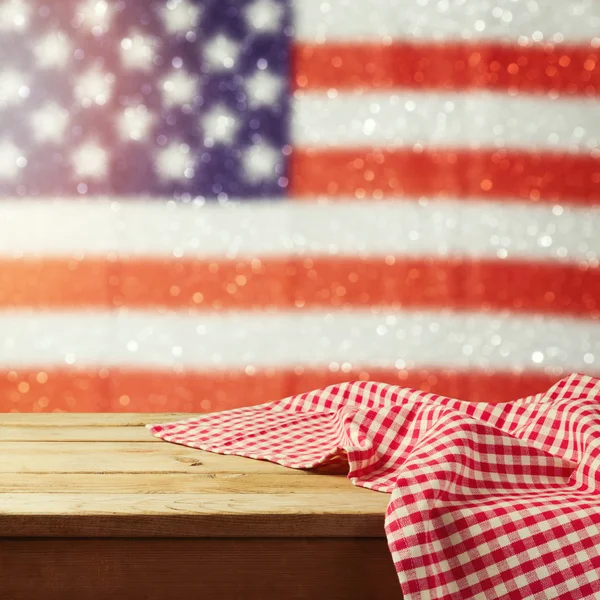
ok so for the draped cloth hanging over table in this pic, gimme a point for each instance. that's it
(487, 500)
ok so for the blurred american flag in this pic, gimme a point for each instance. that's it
(209, 204)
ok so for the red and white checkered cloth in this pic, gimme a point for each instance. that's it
(488, 500)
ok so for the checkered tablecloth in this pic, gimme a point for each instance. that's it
(487, 500)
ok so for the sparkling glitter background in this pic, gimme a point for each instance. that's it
(208, 204)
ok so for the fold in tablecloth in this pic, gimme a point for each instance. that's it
(487, 500)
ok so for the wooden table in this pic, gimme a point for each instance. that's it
(92, 506)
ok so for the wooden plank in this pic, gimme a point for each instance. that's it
(191, 526)
(352, 513)
(342, 502)
(90, 419)
(76, 433)
(181, 483)
(123, 457)
(224, 569)
(113, 488)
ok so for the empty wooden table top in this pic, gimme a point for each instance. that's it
(93, 504)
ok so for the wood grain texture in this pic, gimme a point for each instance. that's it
(114, 483)
(92, 506)
(123, 457)
(340, 514)
(183, 526)
(76, 433)
(220, 569)
(179, 483)
(90, 419)
(342, 502)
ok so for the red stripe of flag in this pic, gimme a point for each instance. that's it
(572, 70)
(314, 282)
(505, 174)
(117, 390)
